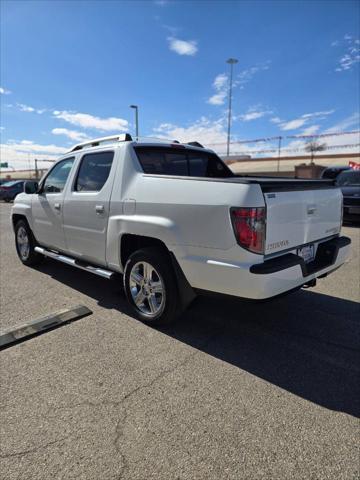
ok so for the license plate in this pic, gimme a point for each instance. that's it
(307, 253)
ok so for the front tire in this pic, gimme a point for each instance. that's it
(25, 244)
(150, 286)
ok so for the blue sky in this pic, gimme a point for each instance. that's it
(70, 70)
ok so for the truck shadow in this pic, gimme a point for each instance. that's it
(306, 343)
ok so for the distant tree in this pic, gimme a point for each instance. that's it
(313, 146)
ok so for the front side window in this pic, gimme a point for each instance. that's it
(94, 171)
(186, 162)
(56, 180)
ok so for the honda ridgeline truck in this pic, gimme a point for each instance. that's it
(175, 221)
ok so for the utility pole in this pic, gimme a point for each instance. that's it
(136, 108)
(231, 61)
(36, 170)
(279, 153)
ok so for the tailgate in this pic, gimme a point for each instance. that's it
(295, 218)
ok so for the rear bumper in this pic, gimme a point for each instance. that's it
(268, 279)
(326, 256)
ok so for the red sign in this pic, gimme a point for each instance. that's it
(354, 165)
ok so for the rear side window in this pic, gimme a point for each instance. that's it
(168, 161)
(94, 171)
(56, 180)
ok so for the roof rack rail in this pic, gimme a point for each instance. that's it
(195, 144)
(123, 137)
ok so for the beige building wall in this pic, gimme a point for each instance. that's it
(286, 165)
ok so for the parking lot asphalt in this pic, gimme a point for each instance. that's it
(234, 390)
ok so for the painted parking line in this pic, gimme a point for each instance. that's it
(33, 328)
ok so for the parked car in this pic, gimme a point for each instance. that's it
(349, 182)
(175, 221)
(10, 189)
(333, 172)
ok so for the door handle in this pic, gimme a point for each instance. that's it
(99, 209)
(311, 209)
(57, 206)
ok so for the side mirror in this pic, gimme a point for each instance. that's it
(31, 187)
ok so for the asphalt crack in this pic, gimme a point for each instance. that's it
(35, 449)
(120, 426)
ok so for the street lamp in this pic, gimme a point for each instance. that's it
(136, 108)
(232, 62)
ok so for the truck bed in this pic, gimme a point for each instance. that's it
(267, 184)
(276, 184)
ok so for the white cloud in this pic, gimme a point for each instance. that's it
(318, 114)
(4, 91)
(353, 121)
(73, 134)
(246, 75)
(183, 47)
(86, 120)
(351, 53)
(210, 133)
(254, 113)
(220, 85)
(163, 127)
(275, 120)
(27, 146)
(293, 124)
(220, 81)
(305, 118)
(27, 108)
(205, 131)
(218, 98)
(20, 154)
(170, 28)
(310, 130)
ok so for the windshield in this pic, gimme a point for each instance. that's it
(350, 177)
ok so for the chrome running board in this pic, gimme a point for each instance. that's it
(75, 263)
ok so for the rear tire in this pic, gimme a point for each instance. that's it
(25, 244)
(151, 288)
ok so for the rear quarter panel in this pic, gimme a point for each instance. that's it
(186, 214)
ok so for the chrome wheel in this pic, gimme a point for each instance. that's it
(23, 243)
(147, 289)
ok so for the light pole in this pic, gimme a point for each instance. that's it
(231, 61)
(136, 108)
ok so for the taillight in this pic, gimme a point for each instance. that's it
(249, 227)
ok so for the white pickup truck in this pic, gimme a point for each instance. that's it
(175, 221)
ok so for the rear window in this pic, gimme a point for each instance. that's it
(182, 162)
